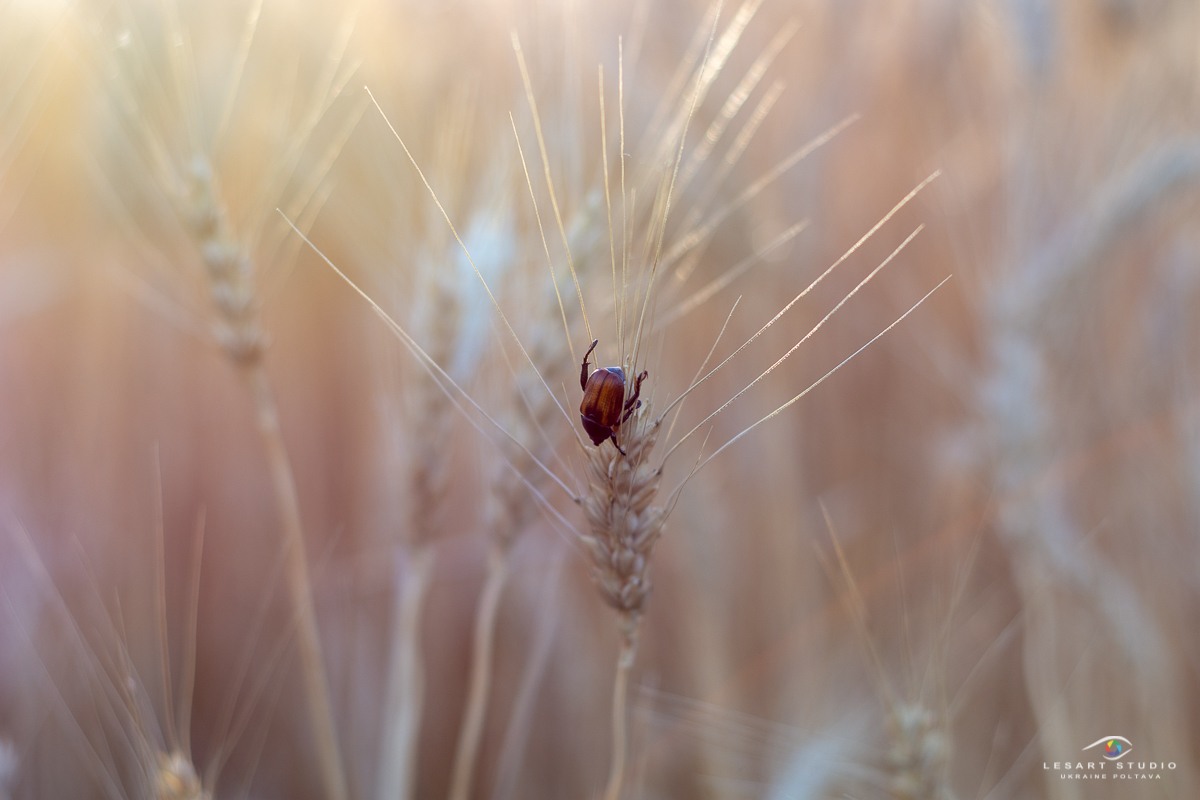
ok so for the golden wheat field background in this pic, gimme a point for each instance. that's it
(295, 496)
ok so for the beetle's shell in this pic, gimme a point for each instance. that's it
(603, 403)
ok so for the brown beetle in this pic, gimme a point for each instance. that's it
(604, 406)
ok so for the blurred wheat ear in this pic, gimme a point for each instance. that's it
(916, 764)
(1066, 583)
(180, 143)
(428, 469)
(133, 753)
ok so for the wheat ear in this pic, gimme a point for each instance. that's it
(624, 527)
(230, 271)
(511, 509)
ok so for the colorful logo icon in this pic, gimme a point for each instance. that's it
(1115, 747)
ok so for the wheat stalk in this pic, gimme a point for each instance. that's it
(404, 698)
(480, 675)
(10, 765)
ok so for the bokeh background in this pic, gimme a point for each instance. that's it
(1011, 474)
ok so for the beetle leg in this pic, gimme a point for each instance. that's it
(583, 370)
(614, 441)
(637, 392)
(633, 403)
